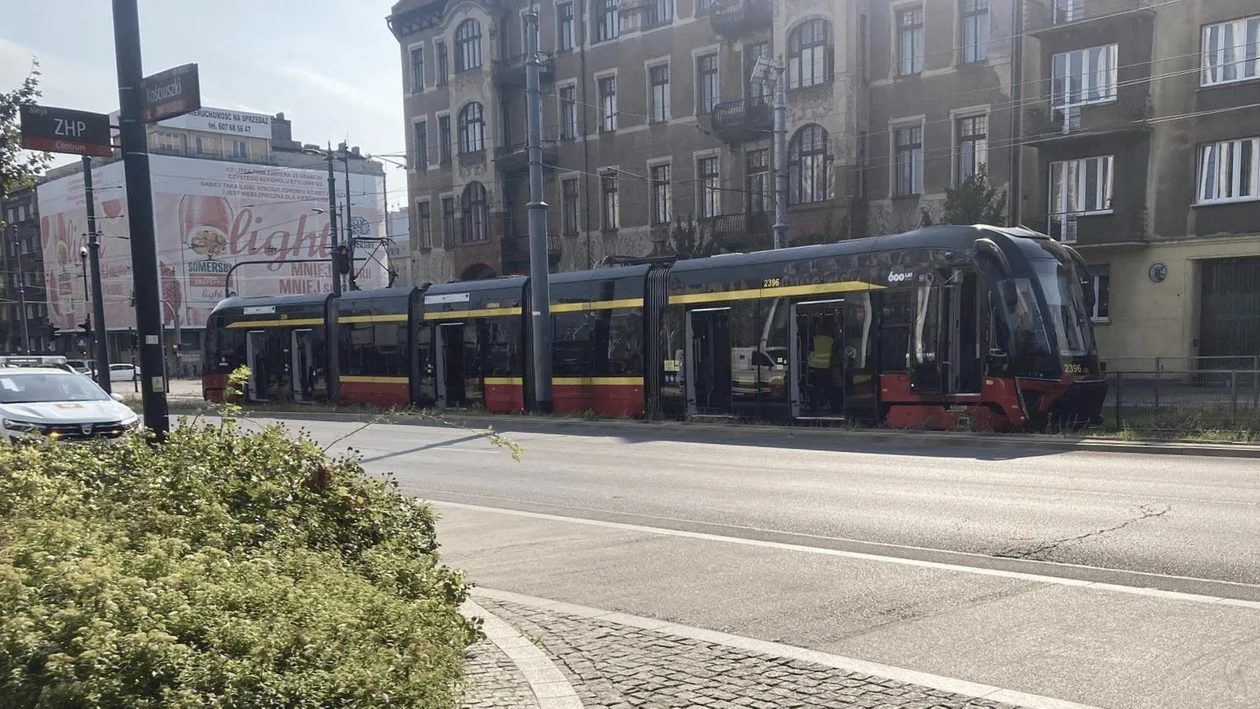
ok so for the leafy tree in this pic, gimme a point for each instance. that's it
(973, 202)
(687, 241)
(18, 168)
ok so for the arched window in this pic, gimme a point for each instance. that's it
(476, 216)
(472, 129)
(807, 166)
(468, 45)
(809, 54)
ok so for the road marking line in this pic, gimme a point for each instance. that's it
(773, 649)
(938, 565)
(549, 685)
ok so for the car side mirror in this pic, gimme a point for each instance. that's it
(116, 397)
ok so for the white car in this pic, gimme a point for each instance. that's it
(123, 372)
(53, 403)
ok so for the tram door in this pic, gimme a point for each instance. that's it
(255, 355)
(819, 359)
(708, 377)
(303, 354)
(946, 343)
(448, 354)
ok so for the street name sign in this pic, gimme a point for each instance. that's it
(171, 93)
(64, 130)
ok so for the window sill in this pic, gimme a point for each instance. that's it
(1100, 321)
(816, 86)
(470, 70)
(609, 231)
(903, 77)
(912, 195)
(1225, 202)
(1228, 84)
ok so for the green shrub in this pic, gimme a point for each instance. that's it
(220, 570)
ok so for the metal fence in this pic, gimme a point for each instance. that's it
(1184, 399)
(1139, 365)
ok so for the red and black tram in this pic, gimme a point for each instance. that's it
(943, 327)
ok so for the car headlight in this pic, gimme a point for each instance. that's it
(21, 426)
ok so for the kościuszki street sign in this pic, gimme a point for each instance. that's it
(64, 130)
(171, 93)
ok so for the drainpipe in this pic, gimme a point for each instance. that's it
(1015, 200)
(585, 178)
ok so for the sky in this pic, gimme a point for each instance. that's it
(331, 66)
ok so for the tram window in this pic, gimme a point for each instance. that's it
(1026, 320)
(894, 333)
(571, 349)
(503, 350)
(386, 353)
(927, 323)
(622, 341)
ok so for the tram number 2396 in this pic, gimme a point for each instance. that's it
(1073, 369)
(771, 283)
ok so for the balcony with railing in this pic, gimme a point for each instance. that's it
(743, 120)
(1129, 113)
(739, 18)
(1043, 17)
(511, 71)
(1117, 227)
(741, 232)
(515, 157)
(516, 252)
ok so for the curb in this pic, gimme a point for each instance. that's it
(545, 680)
(997, 441)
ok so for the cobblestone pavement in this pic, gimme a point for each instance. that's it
(613, 666)
(494, 681)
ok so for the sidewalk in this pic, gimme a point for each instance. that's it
(546, 655)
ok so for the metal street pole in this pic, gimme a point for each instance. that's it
(780, 156)
(333, 241)
(100, 339)
(332, 345)
(26, 330)
(352, 281)
(144, 264)
(540, 289)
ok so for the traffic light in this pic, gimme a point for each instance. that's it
(86, 326)
(342, 259)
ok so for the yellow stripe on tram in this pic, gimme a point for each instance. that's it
(597, 305)
(777, 292)
(598, 381)
(283, 322)
(357, 379)
(484, 313)
(397, 317)
(504, 381)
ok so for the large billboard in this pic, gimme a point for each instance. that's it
(210, 215)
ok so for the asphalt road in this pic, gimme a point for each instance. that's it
(1029, 570)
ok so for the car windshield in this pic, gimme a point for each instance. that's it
(48, 387)
(1068, 315)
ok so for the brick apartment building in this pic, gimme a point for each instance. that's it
(1126, 127)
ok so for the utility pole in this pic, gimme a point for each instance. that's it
(353, 282)
(780, 155)
(26, 330)
(144, 264)
(101, 344)
(540, 289)
(333, 242)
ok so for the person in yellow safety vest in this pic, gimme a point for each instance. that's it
(819, 370)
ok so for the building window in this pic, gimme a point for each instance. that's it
(972, 141)
(608, 104)
(807, 166)
(753, 52)
(476, 216)
(468, 46)
(1100, 282)
(568, 113)
(564, 26)
(609, 202)
(706, 83)
(444, 139)
(1229, 171)
(658, 78)
(607, 20)
(1080, 78)
(1231, 51)
(662, 195)
(472, 129)
(704, 7)
(201, 146)
(658, 12)
(417, 70)
(448, 222)
(909, 160)
(240, 149)
(420, 146)
(424, 225)
(1066, 11)
(809, 54)
(910, 41)
(709, 193)
(975, 31)
(172, 142)
(1078, 187)
(443, 64)
(569, 204)
(757, 181)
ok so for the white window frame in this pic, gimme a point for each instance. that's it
(978, 51)
(914, 62)
(1229, 173)
(607, 123)
(1094, 84)
(918, 167)
(244, 152)
(716, 75)
(1062, 215)
(609, 220)
(1095, 284)
(669, 193)
(411, 68)
(666, 105)
(570, 23)
(560, 111)
(577, 203)
(1068, 11)
(1224, 58)
(427, 202)
(420, 157)
(608, 10)
(956, 116)
(708, 198)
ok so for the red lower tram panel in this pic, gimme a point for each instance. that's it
(382, 392)
(505, 395)
(1071, 401)
(213, 386)
(618, 397)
